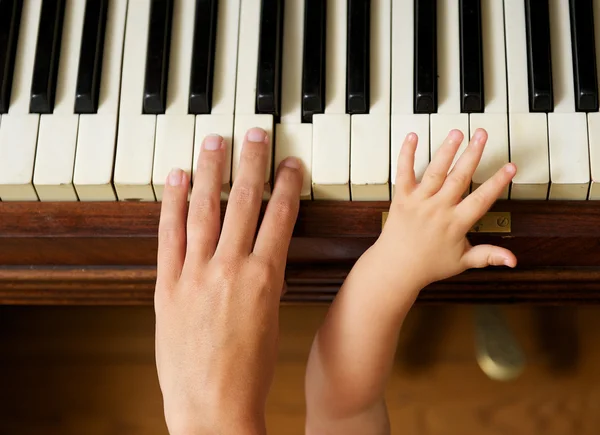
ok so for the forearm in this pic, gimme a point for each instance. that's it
(353, 351)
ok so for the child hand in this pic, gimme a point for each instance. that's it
(424, 240)
(217, 295)
(424, 237)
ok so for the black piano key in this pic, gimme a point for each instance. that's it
(425, 60)
(358, 57)
(313, 67)
(268, 77)
(539, 57)
(205, 36)
(90, 59)
(471, 57)
(157, 57)
(584, 55)
(10, 22)
(47, 56)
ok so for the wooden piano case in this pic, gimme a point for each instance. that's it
(105, 253)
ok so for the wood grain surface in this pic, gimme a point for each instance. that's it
(90, 370)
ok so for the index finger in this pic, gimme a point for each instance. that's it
(479, 202)
(273, 240)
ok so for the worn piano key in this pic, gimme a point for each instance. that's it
(539, 56)
(358, 52)
(47, 56)
(90, 60)
(425, 64)
(205, 35)
(268, 77)
(157, 57)
(313, 67)
(10, 20)
(471, 57)
(584, 55)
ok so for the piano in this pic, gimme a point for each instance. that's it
(99, 99)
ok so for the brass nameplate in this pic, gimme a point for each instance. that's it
(491, 222)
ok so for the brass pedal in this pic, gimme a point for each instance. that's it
(498, 354)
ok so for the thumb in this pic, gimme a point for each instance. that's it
(481, 256)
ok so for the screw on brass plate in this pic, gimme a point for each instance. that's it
(502, 222)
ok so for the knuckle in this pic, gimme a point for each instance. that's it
(283, 208)
(460, 179)
(252, 155)
(245, 194)
(263, 272)
(205, 207)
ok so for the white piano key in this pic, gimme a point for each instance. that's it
(223, 126)
(331, 157)
(594, 139)
(331, 130)
(245, 97)
(135, 138)
(567, 130)
(97, 132)
(174, 147)
(495, 118)
(18, 131)
(448, 46)
(18, 136)
(528, 132)
(291, 80)
(403, 57)
(494, 59)
(529, 152)
(370, 161)
(57, 138)
(448, 116)
(226, 51)
(293, 138)
(594, 120)
(402, 125)
(335, 47)
(370, 133)
(221, 119)
(569, 156)
(495, 153)
(516, 56)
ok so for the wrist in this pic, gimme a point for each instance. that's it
(218, 421)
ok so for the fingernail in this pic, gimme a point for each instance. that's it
(257, 135)
(175, 177)
(213, 142)
(510, 168)
(455, 135)
(479, 136)
(507, 262)
(411, 137)
(292, 162)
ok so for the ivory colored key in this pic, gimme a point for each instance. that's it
(245, 98)
(97, 132)
(331, 130)
(174, 146)
(594, 120)
(370, 133)
(495, 118)
(567, 129)
(528, 132)
(403, 77)
(221, 119)
(448, 116)
(135, 137)
(57, 138)
(294, 138)
(19, 129)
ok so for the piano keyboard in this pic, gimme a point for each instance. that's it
(99, 99)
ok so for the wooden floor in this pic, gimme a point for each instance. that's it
(90, 371)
